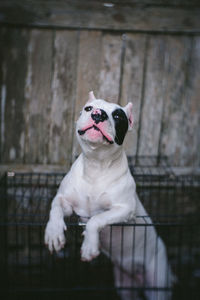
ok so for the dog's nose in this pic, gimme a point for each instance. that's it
(99, 115)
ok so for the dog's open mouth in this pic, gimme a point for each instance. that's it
(81, 132)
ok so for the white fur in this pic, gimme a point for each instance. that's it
(99, 186)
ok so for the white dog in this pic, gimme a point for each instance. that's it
(100, 187)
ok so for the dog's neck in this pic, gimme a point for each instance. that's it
(96, 161)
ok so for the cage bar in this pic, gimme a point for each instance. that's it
(29, 271)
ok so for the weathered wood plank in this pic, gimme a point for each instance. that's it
(38, 96)
(190, 142)
(109, 80)
(132, 84)
(2, 92)
(195, 104)
(134, 16)
(63, 97)
(62, 169)
(13, 66)
(153, 98)
(98, 70)
(89, 58)
(181, 119)
(40, 86)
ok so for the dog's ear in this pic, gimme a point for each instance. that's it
(91, 96)
(129, 113)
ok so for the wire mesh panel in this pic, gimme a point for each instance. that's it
(28, 270)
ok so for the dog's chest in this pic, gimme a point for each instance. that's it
(90, 201)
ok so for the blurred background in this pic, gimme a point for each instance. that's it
(52, 53)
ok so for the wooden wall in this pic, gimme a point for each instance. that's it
(46, 74)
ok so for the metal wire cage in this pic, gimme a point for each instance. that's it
(28, 271)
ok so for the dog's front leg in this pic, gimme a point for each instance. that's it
(54, 232)
(90, 246)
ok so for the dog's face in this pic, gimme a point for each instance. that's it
(101, 122)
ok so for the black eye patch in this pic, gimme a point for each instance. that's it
(121, 125)
(88, 108)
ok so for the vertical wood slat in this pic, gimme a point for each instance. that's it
(89, 56)
(63, 97)
(109, 77)
(13, 72)
(178, 56)
(38, 96)
(153, 101)
(98, 70)
(132, 84)
(2, 92)
(180, 134)
(194, 101)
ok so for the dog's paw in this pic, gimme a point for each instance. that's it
(54, 235)
(89, 251)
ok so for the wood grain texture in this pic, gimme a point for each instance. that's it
(45, 77)
(189, 141)
(89, 58)
(61, 119)
(109, 77)
(99, 65)
(153, 98)
(132, 84)
(195, 105)
(13, 73)
(2, 92)
(38, 96)
(157, 16)
(181, 118)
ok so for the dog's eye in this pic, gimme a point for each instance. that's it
(88, 108)
(118, 117)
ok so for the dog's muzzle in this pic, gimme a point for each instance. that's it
(82, 132)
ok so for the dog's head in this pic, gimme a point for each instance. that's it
(103, 123)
